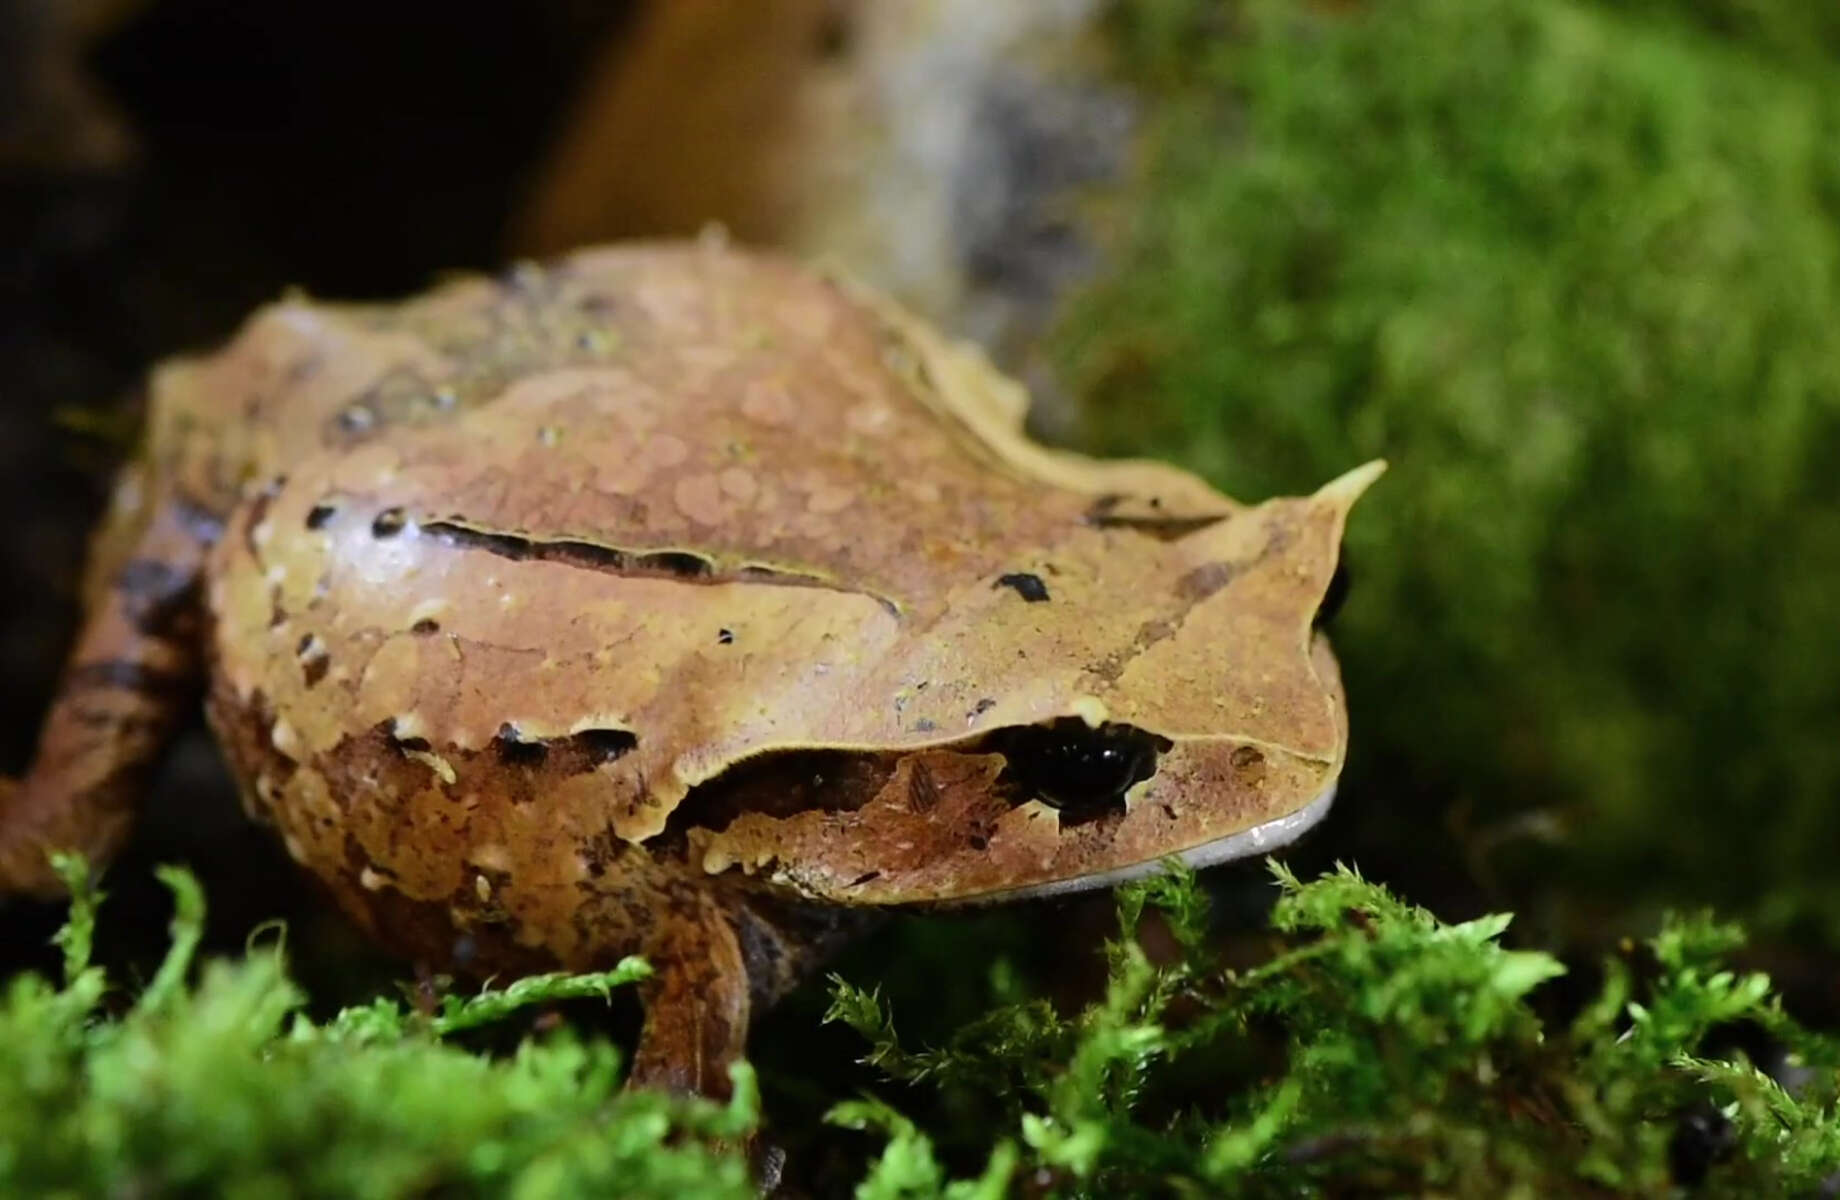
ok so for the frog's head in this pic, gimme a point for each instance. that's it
(1150, 686)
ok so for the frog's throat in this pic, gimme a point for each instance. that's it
(1260, 839)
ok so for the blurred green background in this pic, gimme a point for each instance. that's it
(1575, 270)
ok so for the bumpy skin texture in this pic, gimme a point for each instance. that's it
(671, 600)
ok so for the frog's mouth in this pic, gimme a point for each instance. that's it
(1014, 812)
(1079, 771)
(1258, 840)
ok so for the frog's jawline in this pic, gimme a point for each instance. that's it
(1260, 839)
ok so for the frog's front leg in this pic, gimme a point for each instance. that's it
(720, 956)
(129, 682)
(696, 1001)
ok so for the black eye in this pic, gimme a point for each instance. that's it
(1073, 767)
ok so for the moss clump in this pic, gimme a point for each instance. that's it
(1379, 1051)
(1376, 1049)
(1575, 269)
(222, 1087)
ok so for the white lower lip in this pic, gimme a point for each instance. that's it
(1260, 839)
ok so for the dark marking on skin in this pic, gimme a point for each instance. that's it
(680, 563)
(314, 659)
(865, 877)
(922, 788)
(1148, 634)
(513, 750)
(387, 729)
(159, 599)
(684, 565)
(1169, 811)
(389, 523)
(725, 637)
(579, 752)
(248, 729)
(1249, 764)
(357, 861)
(979, 842)
(320, 514)
(1103, 514)
(981, 707)
(570, 755)
(1023, 583)
(783, 783)
(126, 675)
(603, 745)
(676, 564)
(258, 512)
(1155, 630)
(1205, 580)
(424, 627)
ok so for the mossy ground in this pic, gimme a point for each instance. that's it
(1376, 1050)
(1574, 268)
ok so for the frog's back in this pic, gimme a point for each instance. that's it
(303, 378)
(730, 366)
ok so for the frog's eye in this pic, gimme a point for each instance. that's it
(1069, 765)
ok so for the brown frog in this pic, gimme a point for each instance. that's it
(679, 601)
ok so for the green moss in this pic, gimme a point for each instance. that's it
(1379, 1051)
(1575, 270)
(1376, 1048)
(1774, 29)
(219, 1085)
